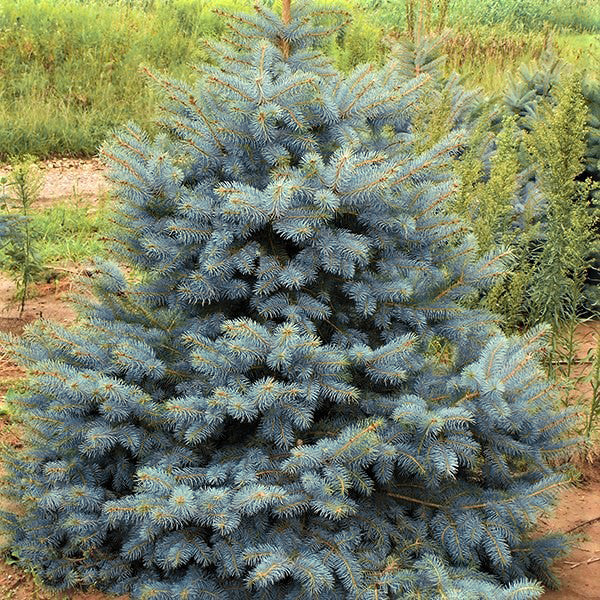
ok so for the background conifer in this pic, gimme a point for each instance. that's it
(265, 411)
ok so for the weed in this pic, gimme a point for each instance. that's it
(594, 382)
(557, 148)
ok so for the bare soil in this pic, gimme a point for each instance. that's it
(579, 513)
(15, 584)
(68, 178)
(578, 508)
(49, 301)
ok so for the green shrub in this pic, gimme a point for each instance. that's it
(557, 147)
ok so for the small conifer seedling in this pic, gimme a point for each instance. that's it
(266, 413)
(19, 239)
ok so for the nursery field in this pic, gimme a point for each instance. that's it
(525, 107)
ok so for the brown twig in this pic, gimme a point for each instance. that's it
(588, 522)
(584, 562)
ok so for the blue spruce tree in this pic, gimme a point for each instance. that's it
(289, 401)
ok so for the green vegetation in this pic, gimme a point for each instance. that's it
(519, 15)
(43, 243)
(19, 236)
(65, 234)
(70, 71)
(556, 146)
(593, 380)
(71, 232)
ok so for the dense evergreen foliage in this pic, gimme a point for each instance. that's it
(289, 401)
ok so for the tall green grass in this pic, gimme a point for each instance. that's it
(518, 15)
(70, 69)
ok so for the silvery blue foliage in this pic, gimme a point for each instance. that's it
(289, 401)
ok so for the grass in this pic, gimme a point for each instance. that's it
(488, 57)
(518, 15)
(69, 231)
(71, 70)
(528, 15)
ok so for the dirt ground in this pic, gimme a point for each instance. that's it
(578, 509)
(67, 178)
(579, 513)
